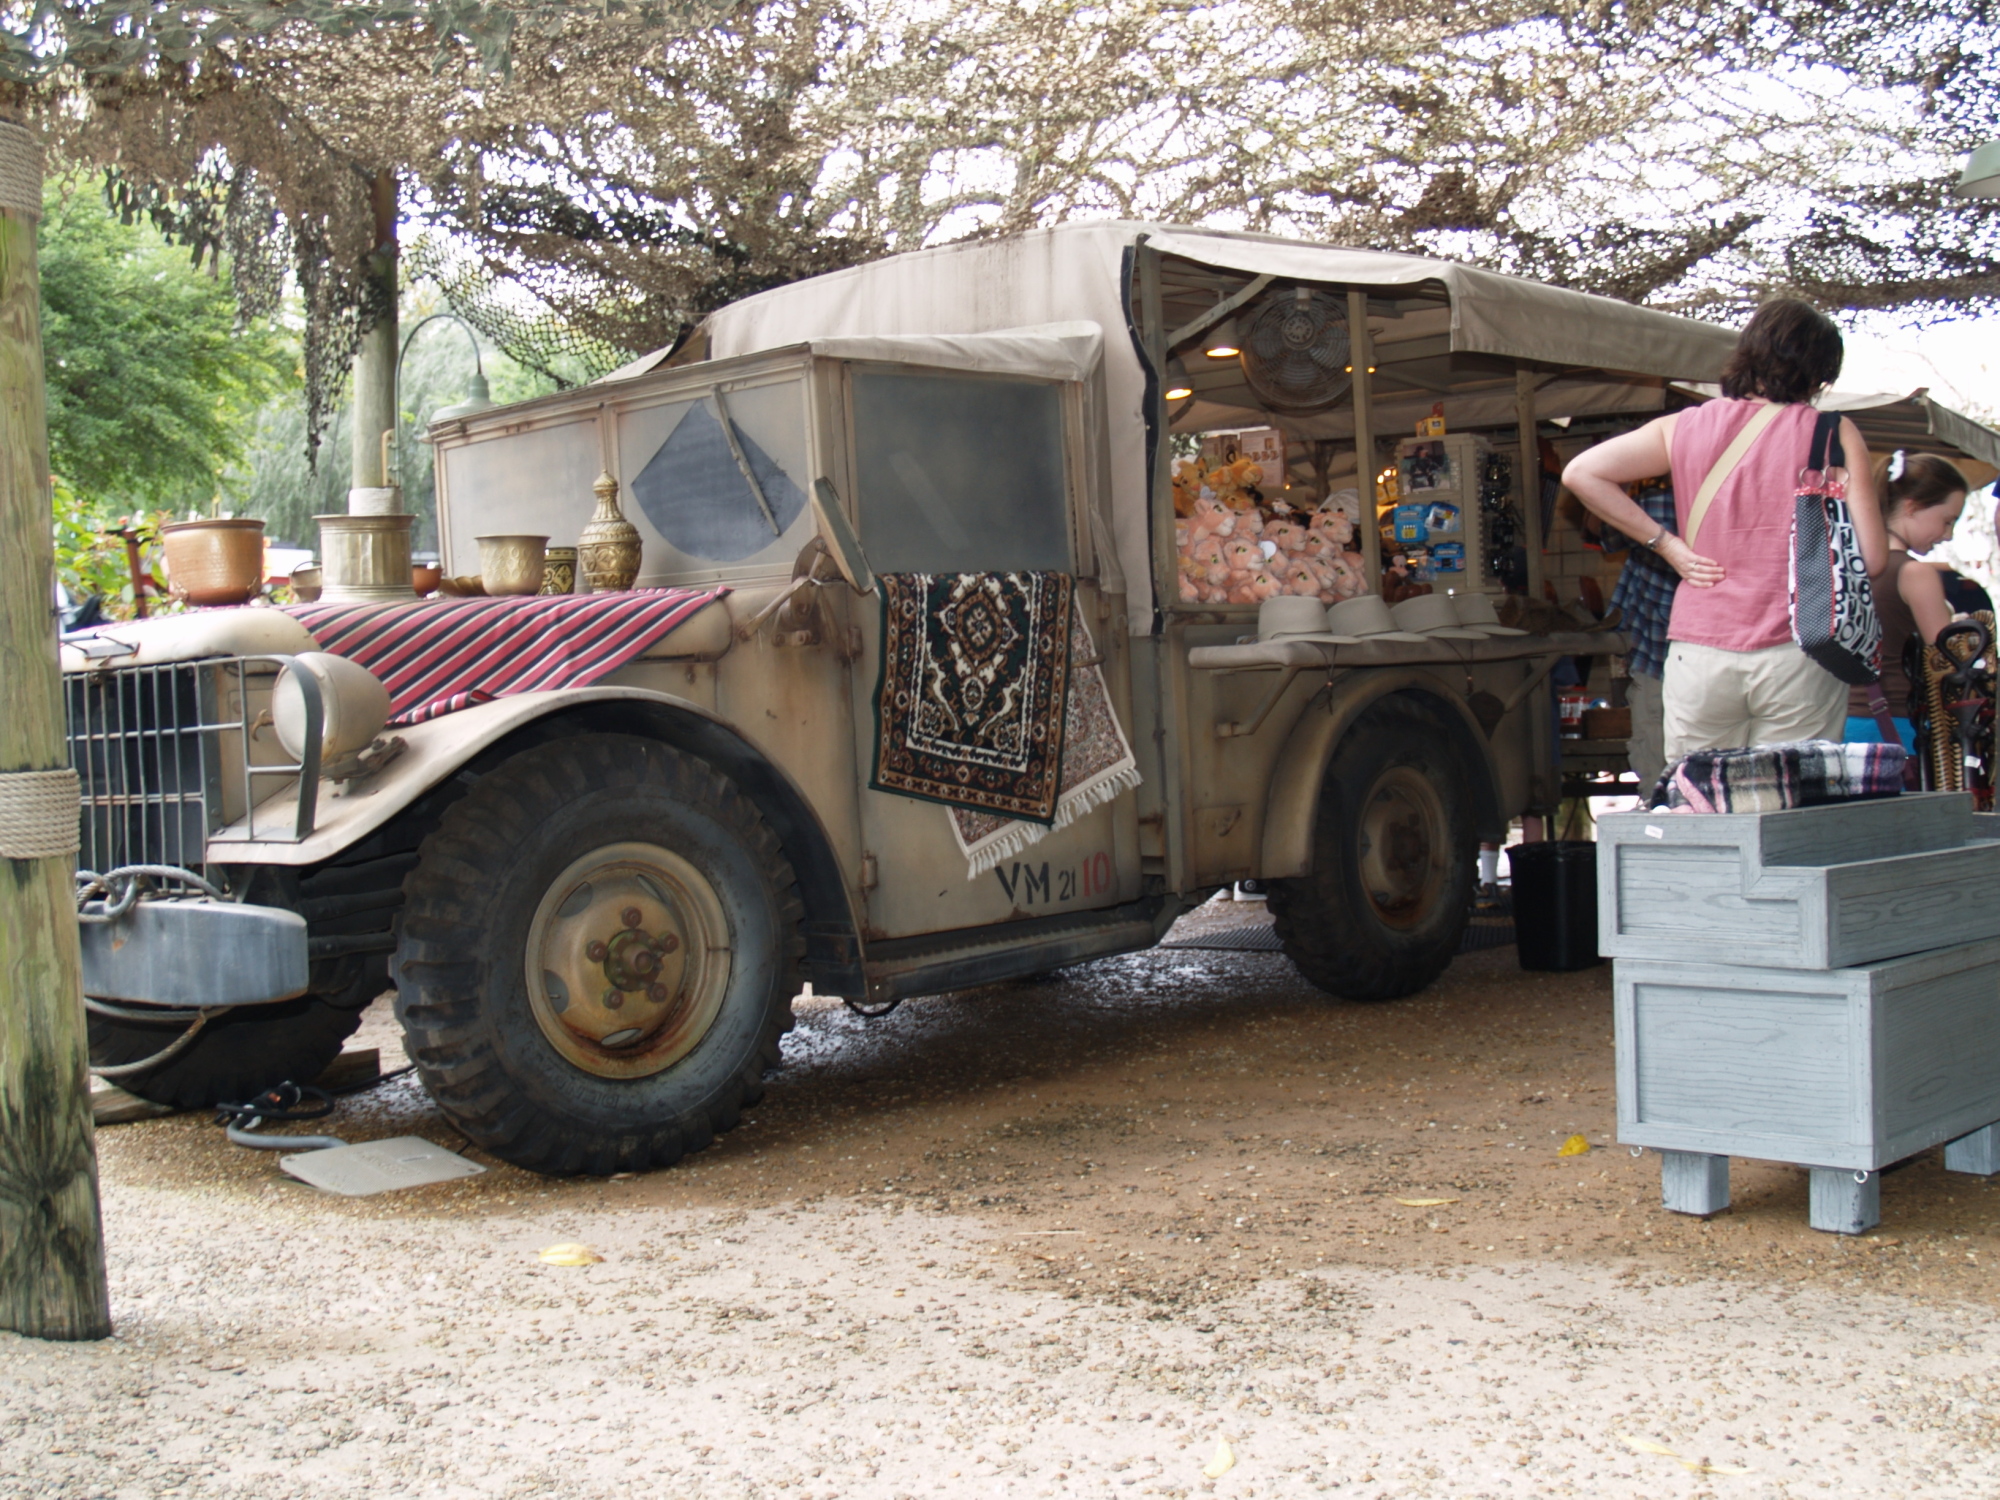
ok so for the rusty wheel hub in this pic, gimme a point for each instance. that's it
(627, 960)
(1403, 846)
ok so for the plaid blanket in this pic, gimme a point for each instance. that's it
(1769, 778)
(438, 657)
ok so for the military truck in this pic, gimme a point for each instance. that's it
(596, 904)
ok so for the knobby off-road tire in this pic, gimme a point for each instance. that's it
(600, 945)
(237, 1055)
(1394, 856)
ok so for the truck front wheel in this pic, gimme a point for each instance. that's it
(600, 945)
(1383, 911)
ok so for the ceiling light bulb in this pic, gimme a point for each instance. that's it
(1179, 392)
(1178, 387)
(1222, 343)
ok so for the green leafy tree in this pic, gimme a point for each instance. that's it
(151, 379)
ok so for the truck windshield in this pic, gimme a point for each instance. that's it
(959, 474)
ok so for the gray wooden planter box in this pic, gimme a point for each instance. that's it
(1842, 1070)
(1809, 888)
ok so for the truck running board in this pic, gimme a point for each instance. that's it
(940, 963)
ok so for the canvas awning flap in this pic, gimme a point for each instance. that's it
(1048, 351)
(1490, 313)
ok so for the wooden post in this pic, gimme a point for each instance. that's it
(1361, 350)
(1531, 477)
(51, 1237)
(375, 361)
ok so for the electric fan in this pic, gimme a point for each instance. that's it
(1295, 351)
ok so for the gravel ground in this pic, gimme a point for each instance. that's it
(1061, 1237)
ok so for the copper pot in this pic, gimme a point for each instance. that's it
(425, 578)
(512, 564)
(214, 562)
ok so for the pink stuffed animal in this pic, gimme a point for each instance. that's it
(1211, 518)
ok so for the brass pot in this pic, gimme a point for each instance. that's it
(306, 583)
(512, 564)
(214, 562)
(364, 559)
(559, 577)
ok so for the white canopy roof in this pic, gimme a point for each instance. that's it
(922, 305)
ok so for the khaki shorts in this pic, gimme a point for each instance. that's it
(1724, 700)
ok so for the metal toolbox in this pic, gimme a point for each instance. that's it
(1853, 1068)
(1808, 888)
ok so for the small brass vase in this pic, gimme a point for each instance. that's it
(607, 553)
(559, 574)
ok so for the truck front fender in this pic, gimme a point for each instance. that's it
(1292, 810)
(457, 742)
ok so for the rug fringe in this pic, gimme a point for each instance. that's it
(1018, 837)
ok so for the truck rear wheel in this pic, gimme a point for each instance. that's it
(1383, 911)
(600, 945)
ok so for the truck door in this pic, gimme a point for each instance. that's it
(956, 473)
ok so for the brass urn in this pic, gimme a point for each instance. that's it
(607, 553)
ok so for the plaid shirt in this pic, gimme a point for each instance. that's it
(1645, 589)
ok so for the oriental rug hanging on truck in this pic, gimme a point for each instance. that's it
(975, 675)
(1097, 765)
(438, 657)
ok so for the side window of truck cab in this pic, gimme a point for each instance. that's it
(959, 473)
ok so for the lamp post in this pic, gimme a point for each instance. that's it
(478, 394)
(1981, 178)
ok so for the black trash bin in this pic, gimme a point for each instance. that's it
(1555, 904)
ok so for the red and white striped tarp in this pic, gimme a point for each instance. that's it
(441, 656)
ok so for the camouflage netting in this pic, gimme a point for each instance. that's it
(585, 179)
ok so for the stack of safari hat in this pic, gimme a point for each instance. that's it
(1368, 617)
(1292, 617)
(1476, 612)
(1433, 618)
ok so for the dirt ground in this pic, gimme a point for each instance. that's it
(1064, 1236)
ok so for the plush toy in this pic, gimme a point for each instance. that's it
(1211, 518)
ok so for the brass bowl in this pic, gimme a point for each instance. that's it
(512, 564)
(559, 577)
(214, 562)
(305, 583)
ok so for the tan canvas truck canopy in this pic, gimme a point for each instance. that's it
(1441, 332)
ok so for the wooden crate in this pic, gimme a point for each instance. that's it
(1808, 888)
(1850, 1068)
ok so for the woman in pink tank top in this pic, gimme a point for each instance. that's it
(1734, 675)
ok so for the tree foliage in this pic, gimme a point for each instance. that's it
(149, 373)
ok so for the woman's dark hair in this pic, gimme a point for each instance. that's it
(1787, 351)
(1924, 480)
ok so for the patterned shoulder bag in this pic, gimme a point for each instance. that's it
(1833, 609)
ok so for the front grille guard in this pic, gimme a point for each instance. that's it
(146, 743)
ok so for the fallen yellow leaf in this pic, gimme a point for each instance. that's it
(1646, 1445)
(570, 1255)
(1697, 1465)
(1425, 1202)
(1222, 1463)
(1576, 1145)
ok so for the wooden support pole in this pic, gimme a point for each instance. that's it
(1530, 477)
(374, 395)
(51, 1237)
(1361, 350)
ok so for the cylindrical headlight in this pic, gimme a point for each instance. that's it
(355, 701)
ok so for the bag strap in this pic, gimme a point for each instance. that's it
(1726, 465)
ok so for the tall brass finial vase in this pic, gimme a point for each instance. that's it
(607, 553)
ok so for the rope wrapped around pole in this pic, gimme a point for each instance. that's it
(38, 814)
